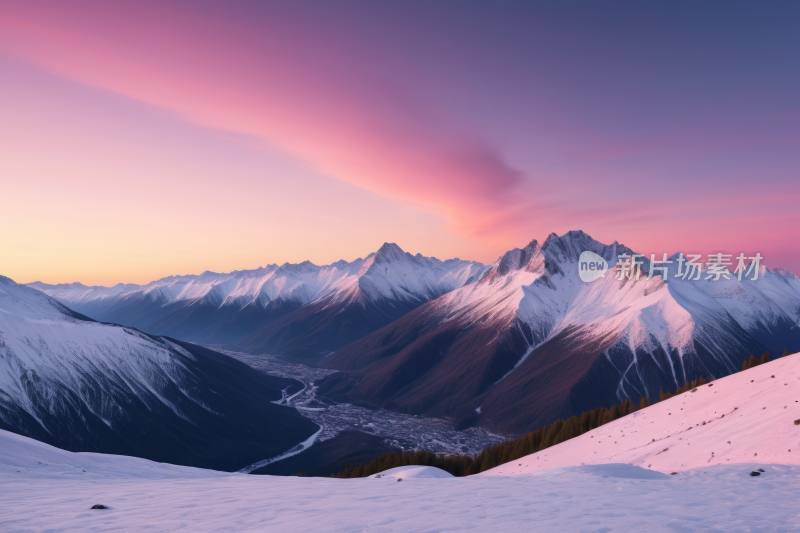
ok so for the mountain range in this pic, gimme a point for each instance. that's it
(86, 386)
(301, 310)
(529, 342)
(509, 346)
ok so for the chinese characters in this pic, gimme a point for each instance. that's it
(692, 268)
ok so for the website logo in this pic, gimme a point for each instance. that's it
(591, 267)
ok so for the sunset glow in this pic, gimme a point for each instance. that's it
(147, 139)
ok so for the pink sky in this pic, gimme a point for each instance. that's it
(162, 138)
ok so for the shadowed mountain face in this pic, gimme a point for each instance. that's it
(304, 311)
(313, 331)
(529, 342)
(85, 386)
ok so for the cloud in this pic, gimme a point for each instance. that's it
(504, 133)
(285, 86)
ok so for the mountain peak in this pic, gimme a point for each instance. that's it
(570, 245)
(389, 251)
(516, 259)
(305, 266)
(571, 238)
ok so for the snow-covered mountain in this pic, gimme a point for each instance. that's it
(297, 309)
(86, 386)
(530, 342)
(510, 346)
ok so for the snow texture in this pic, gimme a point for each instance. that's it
(747, 417)
(44, 488)
(413, 471)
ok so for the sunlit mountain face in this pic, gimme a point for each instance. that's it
(529, 342)
(302, 309)
(510, 345)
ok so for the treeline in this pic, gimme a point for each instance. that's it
(535, 441)
(465, 465)
(689, 385)
(753, 362)
(542, 438)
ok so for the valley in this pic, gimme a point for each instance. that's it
(400, 431)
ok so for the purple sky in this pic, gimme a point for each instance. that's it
(157, 138)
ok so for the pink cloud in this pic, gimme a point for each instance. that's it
(267, 82)
(655, 183)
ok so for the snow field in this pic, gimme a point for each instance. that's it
(413, 472)
(747, 417)
(44, 488)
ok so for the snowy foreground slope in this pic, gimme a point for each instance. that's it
(42, 487)
(746, 417)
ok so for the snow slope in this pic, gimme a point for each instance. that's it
(413, 471)
(87, 386)
(747, 417)
(44, 488)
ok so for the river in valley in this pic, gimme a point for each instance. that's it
(406, 432)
